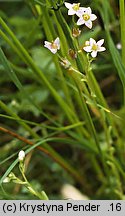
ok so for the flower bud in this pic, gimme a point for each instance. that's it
(21, 155)
(76, 32)
(6, 180)
(65, 63)
(72, 54)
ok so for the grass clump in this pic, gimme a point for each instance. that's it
(62, 99)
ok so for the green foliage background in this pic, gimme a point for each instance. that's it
(30, 108)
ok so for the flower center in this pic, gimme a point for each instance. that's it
(76, 7)
(86, 17)
(94, 47)
(54, 46)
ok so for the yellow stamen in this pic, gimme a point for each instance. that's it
(54, 46)
(94, 47)
(76, 7)
(86, 17)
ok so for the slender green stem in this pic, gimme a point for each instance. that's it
(122, 27)
(12, 45)
(50, 36)
(30, 62)
(42, 195)
(10, 112)
(52, 152)
(95, 101)
(86, 111)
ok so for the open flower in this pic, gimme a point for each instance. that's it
(94, 47)
(74, 8)
(86, 17)
(53, 46)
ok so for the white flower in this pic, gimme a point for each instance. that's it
(74, 8)
(86, 17)
(21, 155)
(94, 47)
(53, 46)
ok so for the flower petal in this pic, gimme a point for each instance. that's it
(94, 54)
(100, 42)
(88, 10)
(71, 11)
(92, 41)
(68, 5)
(93, 17)
(53, 51)
(101, 49)
(87, 48)
(81, 11)
(80, 21)
(88, 24)
(48, 47)
(57, 42)
(47, 44)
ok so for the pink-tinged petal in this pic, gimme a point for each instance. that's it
(88, 10)
(47, 43)
(88, 24)
(94, 54)
(100, 42)
(92, 41)
(93, 17)
(80, 21)
(71, 12)
(87, 48)
(68, 5)
(53, 51)
(57, 42)
(81, 11)
(48, 47)
(101, 49)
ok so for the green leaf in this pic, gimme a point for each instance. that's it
(117, 60)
